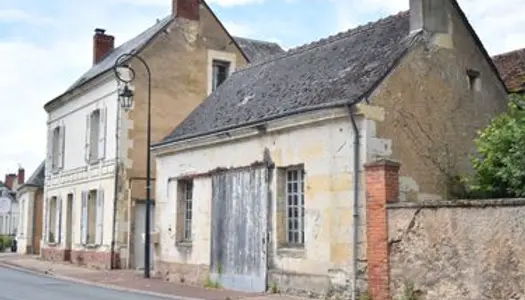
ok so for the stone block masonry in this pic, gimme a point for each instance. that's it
(461, 250)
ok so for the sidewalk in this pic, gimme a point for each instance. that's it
(128, 280)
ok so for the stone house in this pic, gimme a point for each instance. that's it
(511, 66)
(96, 154)
(261, 185)
(30, 199)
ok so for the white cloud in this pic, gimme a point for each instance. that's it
(237, 29)
(498, 23)
(16, 15)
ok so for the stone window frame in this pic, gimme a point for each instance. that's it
(184, 214)
(284, 246)
(219, 56)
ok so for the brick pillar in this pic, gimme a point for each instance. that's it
(382, 187)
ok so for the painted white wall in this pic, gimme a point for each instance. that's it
(24, 235)
(73, 116)
(78, 175)
(324, 147)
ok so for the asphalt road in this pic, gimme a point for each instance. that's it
(17, 285)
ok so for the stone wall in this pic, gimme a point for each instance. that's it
(458, 250)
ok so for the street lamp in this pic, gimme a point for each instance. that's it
(126, 75)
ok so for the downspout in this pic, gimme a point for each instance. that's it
(356, 202)
(115, 192)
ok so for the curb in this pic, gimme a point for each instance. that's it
(95, 284)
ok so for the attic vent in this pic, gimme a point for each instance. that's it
(474, 82)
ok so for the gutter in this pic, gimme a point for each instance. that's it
(356, 202)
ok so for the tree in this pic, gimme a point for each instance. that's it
(499, 163)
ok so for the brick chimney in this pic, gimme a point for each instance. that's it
(21, 176)
(429, 15)
(102, 44)
(9, 180)
(187, 9)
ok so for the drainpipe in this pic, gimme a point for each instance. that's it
(356, 201)
(115, 192)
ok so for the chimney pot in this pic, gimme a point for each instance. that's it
(102, 44)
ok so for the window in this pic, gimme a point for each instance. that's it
(294, 191)
(220, 73)
(92, 217)
(94, 134)
(56, 147)
(52, 220)
(473, 80)
(185, 210)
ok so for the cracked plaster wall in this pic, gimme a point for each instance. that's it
(466, 250)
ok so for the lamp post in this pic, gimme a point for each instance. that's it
(126, 75)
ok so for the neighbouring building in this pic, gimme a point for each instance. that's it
(9, 205)
(511, 66)
(94, 192)
(30, 200)
(261, 186)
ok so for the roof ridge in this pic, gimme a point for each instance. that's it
(327, 40)
(255, 40)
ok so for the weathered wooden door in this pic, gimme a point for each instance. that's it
(239, 226)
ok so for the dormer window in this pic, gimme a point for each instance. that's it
(221, 71)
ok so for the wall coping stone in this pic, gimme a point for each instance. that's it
(475, 203)
(383, 162)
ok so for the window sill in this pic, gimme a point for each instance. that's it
(91, 246)
(184, 245)
(52, 245)
(293, 252)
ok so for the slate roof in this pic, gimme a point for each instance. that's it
(254, 51)
(38, 176)
(338, 70)
(257, 50)
(511, 66)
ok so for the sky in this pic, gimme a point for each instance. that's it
(45, 45)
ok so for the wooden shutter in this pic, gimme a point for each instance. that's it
(45, 234)
(49, 166)
(62, 144)
(58, 220)
(83, 219)
(102, 133)
(88, 137)
(100, 217)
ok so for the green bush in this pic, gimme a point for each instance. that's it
(500, 160)
(5, 242)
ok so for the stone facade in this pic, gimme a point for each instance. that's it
(321, 267)
(427, 99)
(178, 88)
